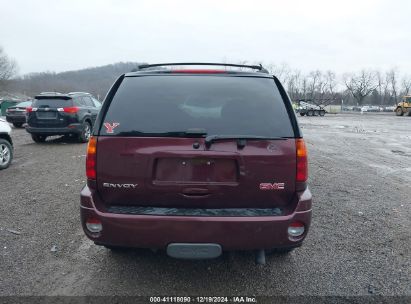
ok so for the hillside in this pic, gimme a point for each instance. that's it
(96, 80)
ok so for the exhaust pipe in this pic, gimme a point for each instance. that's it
(260, 257)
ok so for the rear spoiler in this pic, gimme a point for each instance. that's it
(52, 97)
(259, 67)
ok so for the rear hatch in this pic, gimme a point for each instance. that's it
(50, 112)
(196, 141)
(19, 109)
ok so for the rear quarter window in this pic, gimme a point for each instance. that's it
(88, 101)
(222, 105)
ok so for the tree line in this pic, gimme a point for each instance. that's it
(371, 87)
(367, 86)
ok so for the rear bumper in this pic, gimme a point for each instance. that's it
(16, 118)
(70, 129)
(231, 233)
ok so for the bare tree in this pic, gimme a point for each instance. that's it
(406, 85)
(323, 86)
(304, 87)
(380, 86)
(331, 83)
(392, 76)
(361, 85)
(282, 72)
(8, 68)
(314, 80)
(293, 86)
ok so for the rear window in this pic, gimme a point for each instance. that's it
(23, 104)
(220, 105)
(52, 103)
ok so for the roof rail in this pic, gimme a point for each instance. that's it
(72, 93)
(51, 93)
(255, 67)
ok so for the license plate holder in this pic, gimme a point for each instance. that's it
(46, 115)
(195, 251)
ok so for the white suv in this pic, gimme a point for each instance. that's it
(6, 144)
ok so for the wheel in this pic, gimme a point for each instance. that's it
(316, 112)
(322, 112)
(6, 153)
(86, 133)
(17, 124)
(310, 113)
(399, 112)
(302, 114)
(38, 138)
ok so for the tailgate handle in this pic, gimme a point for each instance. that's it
(195, 192)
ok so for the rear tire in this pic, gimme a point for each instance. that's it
(322, 112)
(38, 138)
(399, 112)
(6, 154)
(302, 114)
(17, 124)
(85, 133)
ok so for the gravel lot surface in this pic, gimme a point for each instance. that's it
(359, 243)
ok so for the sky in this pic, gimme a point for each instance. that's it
(342, 36)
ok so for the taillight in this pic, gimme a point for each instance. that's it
(30, 109)
(91, 158)
(71, 110)
(302, 166)
(198, 71)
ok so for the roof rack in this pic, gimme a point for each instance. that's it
(255, 67)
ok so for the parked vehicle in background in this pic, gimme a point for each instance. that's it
(17, 114)
(347, 108)
(317, 107)
(197, 161)
(62, 114)
(365, 108)
(6, 145)
(305, 108)
(390, 109)
(373, 109)
(404, 107)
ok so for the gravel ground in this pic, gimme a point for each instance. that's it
(359, 243)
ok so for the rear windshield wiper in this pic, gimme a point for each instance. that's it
(188, 133)
(241, 139)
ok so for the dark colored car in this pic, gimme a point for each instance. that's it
(62, 114)
(197, 162)
(17, 114)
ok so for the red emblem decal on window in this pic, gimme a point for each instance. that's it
(272, 186)
(110, 126)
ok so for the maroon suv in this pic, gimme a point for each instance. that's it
(196, 162)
